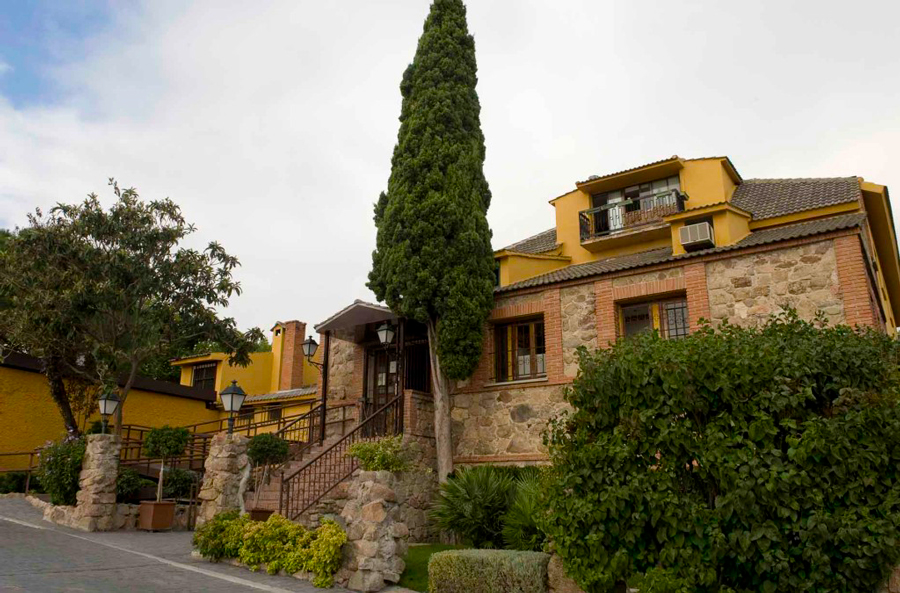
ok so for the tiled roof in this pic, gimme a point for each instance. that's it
(279, 395)
(767, 198)
(657, 256)
(674, 157)
(536, 243)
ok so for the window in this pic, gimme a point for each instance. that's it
(204, 376)
(669, 317)
(519, 351)
(274, 412)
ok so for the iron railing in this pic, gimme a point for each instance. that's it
(310, 482)
(27, 470)
(628, 214)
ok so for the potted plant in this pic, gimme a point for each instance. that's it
(164, 444)
(265, 450)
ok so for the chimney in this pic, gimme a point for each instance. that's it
(292, 355)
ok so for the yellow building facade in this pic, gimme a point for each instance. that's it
(681, 207)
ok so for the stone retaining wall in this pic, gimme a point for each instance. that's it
(376, 534)
(225, 480)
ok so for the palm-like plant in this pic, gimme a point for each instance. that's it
(471, 504)
(520, 527)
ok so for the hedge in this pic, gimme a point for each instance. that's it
(487, 571)
(735, 460)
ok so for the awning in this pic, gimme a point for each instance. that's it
(357, 314)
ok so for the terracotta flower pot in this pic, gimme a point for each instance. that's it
(260, 514)
(156, 516)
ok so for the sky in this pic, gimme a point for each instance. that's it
(272, 123)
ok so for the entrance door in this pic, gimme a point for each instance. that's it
(385, 362)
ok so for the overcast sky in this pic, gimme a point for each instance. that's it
(272, 122)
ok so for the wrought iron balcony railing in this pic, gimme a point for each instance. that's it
(628, 214)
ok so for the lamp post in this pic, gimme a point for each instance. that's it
(232, 400)
(109, 403)
(309, 347)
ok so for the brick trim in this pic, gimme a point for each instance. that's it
(643, 289)
(605, 313)
(854, 282)
(535, 307)
(697, 291)
(506, 458)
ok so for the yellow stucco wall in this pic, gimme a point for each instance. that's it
(29, 418)
(255, 378)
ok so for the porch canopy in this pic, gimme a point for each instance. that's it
(356, 316)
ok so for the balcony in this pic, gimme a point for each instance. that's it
(601, 226)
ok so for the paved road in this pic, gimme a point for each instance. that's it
(38, 556)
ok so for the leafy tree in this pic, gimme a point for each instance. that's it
(164, 443)
(433, 260)
(733, 460)
(96, 293)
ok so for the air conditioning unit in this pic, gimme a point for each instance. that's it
(697, 236)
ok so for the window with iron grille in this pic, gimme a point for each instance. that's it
(669, 317)
(204, 376)
(274, 412)
(519, 351)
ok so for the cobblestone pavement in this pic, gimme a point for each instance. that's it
(38, 556)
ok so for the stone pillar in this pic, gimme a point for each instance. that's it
(376, 538)
(225, 479)
(95, 509)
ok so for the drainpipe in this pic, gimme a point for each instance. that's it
(327, 346)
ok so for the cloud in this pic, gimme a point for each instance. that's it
(5, 68)
(273, 124)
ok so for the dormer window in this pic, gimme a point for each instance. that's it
(631, 206)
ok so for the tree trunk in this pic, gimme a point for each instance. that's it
(123, 395)
(159, 486)
(441, 386)
(53, 372)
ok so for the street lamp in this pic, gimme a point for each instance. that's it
(309, 350)
(385, 333)
(232, 400)
(109, 403)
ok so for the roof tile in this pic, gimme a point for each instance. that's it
(540, 243)
(768, 198)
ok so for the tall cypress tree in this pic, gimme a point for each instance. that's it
(433, 260)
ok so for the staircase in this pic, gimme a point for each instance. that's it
(303, 485)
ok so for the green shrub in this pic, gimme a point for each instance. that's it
(163, 443)
(277, 543)
(96, 427)
(58, 470)
(737, 460)
(222, 536)
(472, 503)
(487, 571)
(12, 482)
(266, 542)
(385, 454)
(178, 483)
(267, 449)
(520, 523)
(129, 484)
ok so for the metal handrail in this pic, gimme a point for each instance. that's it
(307, 485)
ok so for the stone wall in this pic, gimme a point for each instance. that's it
(345, 362)
(95, 509)
(376, 534)
(579, 323)
(503, 421)
(225, 480)
(747, 290)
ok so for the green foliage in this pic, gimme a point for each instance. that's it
(433, 260)
(12, 482)
(415, 575)
(277, 543)
(222, 536)
(96, 427)
(178, 483)
(520, 523)
(96, 292)
(736, 460)
(129, 484)
(266, 448)
(472, 503)
(487, 571)
(166, 442)
(58, 470)
(388, 454)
